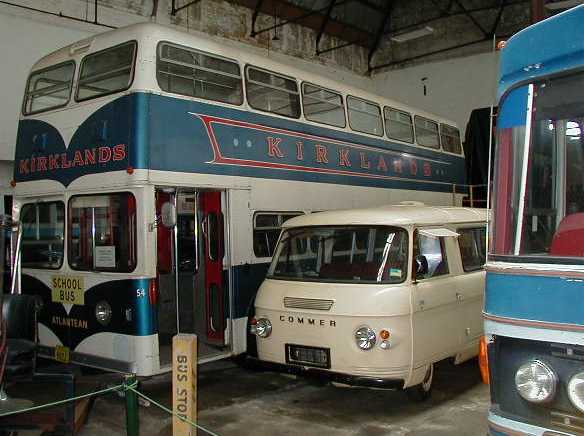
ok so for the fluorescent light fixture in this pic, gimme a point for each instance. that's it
(414, 34)
(563, 4)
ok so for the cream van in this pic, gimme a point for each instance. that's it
(374, 297)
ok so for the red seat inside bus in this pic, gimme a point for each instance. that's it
(569, 238)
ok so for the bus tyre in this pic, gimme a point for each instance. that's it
(422, 391)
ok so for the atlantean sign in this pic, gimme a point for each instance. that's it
(80, 158)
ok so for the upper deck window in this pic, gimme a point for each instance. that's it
(398, 125)
(43, 230)
(539, 185)
(450, 138)
(427, 132)
(49, 88)
(271, 92)
(102, 232)
(191, 72)
(364, 116)
(107, 71)
(357, 254)
(323, 106)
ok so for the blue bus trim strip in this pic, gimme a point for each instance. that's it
(529, 297)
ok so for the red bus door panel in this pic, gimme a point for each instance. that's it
(213, 261)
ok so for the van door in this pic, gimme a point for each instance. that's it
(435, 304)
(471, 283)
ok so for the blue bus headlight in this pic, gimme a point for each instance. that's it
(576, 391)
(103, 312)
(536, 382)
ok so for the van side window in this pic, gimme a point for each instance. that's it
(472, 248)
(431, 250)
(266, 230)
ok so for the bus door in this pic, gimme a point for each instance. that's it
(214, 248)
(190, 267)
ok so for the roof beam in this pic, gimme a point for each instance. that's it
(435, 52)
(380, 31)
(422, 23)
(290, 13)
(325, 19)
(471, 18)
(502, 5)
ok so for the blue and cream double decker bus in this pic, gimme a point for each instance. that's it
(154, 169)
(534, 302)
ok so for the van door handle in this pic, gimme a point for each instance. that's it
(459, 296)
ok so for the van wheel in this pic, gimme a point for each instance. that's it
(422, 391)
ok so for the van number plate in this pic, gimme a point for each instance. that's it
(308, 356)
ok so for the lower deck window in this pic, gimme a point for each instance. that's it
(43, 228)
(102, 232)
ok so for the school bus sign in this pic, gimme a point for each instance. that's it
(68, 289)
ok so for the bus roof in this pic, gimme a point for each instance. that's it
(409, 214)
(548, 47)
(148, 33)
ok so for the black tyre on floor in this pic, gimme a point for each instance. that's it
(422, 391)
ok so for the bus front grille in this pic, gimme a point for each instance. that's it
(308, 303)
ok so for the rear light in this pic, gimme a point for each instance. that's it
(484, 359)
(153, 291)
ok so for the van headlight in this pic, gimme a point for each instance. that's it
(536, 382)
(103, 312)
(365, 338)
(263, 328)
(576, 391)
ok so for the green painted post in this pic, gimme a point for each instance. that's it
(132, 417)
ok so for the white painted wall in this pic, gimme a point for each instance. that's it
(454, 87)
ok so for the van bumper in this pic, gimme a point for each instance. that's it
(327, 376)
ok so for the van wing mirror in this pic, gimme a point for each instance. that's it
(421, 265)
(168, 214)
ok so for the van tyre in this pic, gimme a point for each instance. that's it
(422, 391)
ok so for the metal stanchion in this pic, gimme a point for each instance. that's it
(132, 417)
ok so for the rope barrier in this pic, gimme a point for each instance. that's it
(123, 388)
(68, 400)
(167, 410)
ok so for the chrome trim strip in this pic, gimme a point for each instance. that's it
(539, 268)
(516, 428)
(533, 333)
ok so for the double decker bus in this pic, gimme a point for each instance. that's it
(154, 169)
(534, 305)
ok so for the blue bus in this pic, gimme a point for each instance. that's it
(154, 169)
(534, 302)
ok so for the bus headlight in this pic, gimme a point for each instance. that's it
(576, 391)
(536, 382)
(103, 312)
(365, 338)
(263, 328)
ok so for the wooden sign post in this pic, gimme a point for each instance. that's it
(184, 383)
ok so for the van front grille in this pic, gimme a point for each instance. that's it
(308, 303)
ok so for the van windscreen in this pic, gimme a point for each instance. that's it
(370, 254)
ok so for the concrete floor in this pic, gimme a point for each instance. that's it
(236, 401)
